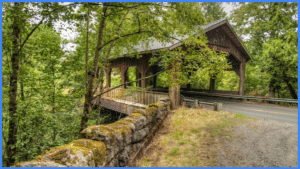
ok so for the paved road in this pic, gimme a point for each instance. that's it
(261, 111)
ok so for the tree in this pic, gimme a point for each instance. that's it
(213, 11)
(270, 24)
(19, 17)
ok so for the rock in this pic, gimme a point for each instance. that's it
(105, 145)
(140, 122)
(114, 163)
(78, 153)
(139, 135)
(124, 157)
(41, 164)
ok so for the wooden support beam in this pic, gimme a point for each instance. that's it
(188, 86)
(143, 82)
(138, 76)
(212, 84)
(123, 76)
(242, 77)
(174, 92)
(154, 81)
(107, 75)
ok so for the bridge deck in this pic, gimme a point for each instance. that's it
(127, 101)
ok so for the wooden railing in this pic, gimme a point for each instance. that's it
(134, 95)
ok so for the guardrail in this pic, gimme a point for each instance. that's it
(199, 104)
(246, 97)
(284, 100)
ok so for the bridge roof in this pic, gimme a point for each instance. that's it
(155, 45)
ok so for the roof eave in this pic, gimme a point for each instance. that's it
(248, 57)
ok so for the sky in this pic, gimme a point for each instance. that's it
(228, 7)
(71, 34)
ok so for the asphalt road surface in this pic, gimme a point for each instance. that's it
(261, 111)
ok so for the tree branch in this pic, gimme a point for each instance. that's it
(122, 37)
(31, 34)
(42, 20)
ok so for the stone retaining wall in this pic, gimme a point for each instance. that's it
(112, 145)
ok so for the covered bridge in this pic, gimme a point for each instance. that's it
(221, 37)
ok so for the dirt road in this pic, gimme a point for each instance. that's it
(263, 143)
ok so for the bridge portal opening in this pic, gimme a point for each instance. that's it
(132, 74)
(228, 81)
(115, 77)
(201, 81)
(161, 80)
(150, 81)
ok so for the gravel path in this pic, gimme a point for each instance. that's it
(261, 143)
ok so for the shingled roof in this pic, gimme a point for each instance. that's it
(155, 45)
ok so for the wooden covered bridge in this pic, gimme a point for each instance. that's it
(221, 37)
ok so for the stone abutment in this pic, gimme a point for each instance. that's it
(117, 144)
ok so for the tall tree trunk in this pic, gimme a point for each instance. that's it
(53, 101)
(22, 90)
(291, 88)
(212, 84)
(101, 78)
(87, 49)
(12, 135)
(91, 77)
(21, 81)
(272, 88)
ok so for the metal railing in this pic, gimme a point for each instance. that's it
(134, 95)
(247, 97)
(200, 104)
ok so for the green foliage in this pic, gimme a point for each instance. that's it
(161, 79)
(47, 116)
(201, 80)
(213, 11)
(131, 72)
(273, 42)
(228, 81)
(182, 60)
(115, 77)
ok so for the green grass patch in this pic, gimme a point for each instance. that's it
(177, 135)
(187, 150)
(174, 152)
(242, 116)
(165, 142)
(182, 143)
(195, 130)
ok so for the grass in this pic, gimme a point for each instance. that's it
(177, 135)
(242, 116)
(193, 135)
(174, 152)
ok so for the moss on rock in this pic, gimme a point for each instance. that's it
(157, 104)
(62, 154)
(151, 111)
